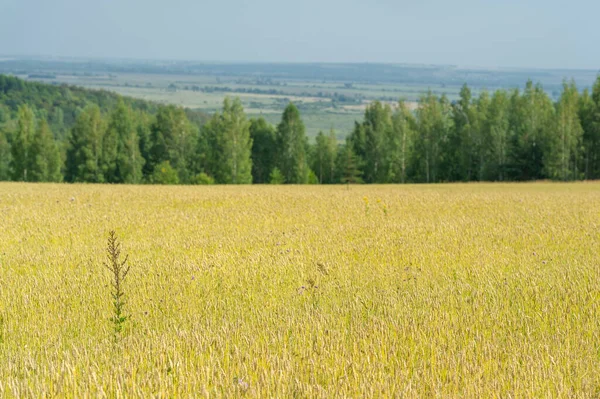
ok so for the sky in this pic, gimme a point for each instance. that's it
(485, 33)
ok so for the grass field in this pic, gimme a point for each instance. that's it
(318, 113)
(481, 290)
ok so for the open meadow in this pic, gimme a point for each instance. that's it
(466, 290)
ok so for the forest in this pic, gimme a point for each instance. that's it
(55, 133)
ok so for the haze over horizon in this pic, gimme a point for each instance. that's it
(477, 33)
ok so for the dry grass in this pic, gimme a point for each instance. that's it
(460, 291)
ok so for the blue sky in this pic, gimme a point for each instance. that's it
(501, 33)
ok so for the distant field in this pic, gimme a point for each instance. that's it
(270, 107)
(479, 290)
(315, 122)
(320, 110)
(328, 95)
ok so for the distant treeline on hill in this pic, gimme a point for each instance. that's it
(65, 133)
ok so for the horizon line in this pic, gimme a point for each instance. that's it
(231, 62)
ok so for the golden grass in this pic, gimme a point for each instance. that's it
(475, 290)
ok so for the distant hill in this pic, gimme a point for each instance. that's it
(61, 103)
(551, 79)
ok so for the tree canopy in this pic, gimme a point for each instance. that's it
(64, 133)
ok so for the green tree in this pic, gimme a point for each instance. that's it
(458, 152)
(324, 155)
(481, 139)
(434, 122)
(44, 156)
(531, 120)
(377, 126)
(358, 141)
(208, 147)
(109, 152)
(291, 147)
(164, 173)
(225, 146)
(264, 149)
(5, 116)
(235, 147)
(172, 138)
(348, 165)
(497, 127)
(369, 141)
(21, 144)
(276, 177)
(332, 150)
(122, 161)
(57, 123)
(589, 113)
(312, 177)
(5, 157)
(399, 144)
(562, 159)
(143, 122)
(85, 147)
(203, 179)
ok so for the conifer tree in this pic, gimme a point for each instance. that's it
(349, 167)
(263, 150)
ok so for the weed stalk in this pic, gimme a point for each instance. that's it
(119, 270)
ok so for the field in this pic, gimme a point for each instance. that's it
(329, 96)
(480, 290)
(317, 103)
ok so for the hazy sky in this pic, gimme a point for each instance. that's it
(520, 33)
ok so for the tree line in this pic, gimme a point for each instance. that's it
(502, 136)
(62, 133)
